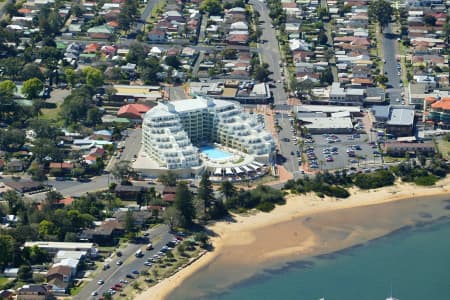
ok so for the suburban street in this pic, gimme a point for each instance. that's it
(270, 51)
(390, 67)
(159, 236)
(145, 14)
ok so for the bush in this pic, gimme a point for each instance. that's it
(426, 180)
(374, 180)
(265, 206)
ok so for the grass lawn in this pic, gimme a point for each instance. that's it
(3, 281)
(50, 113)
(444, 147)
(75, 290)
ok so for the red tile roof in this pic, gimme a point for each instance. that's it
(134, 110)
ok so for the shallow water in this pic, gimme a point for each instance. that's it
(415, 259)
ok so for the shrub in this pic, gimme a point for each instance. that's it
(265, 206)
(426, 180)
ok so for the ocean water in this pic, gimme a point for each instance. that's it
(414, 261)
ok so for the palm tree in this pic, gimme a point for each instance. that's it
(227, 189)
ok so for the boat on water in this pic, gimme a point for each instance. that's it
(391, 298)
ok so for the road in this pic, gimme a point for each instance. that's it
(145, 14)
(390, 67)
(270, 51)
(289, 161)
(159, 236)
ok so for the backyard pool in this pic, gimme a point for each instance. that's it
(215, 153)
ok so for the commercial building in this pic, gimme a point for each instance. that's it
(398, 120)
(172, 131)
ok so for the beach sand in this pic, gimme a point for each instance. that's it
(307, 225)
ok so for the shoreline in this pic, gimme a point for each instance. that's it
(296, 207)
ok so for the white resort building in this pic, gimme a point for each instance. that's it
(174, 132)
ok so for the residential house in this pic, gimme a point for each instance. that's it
(108, 233)
(100, 32)
(168, 193)
(134, 112)
(33, 292)
(157, 36)
(140, 217)
(130, 192)
(15, 165)
(7, 294)
(59, 279)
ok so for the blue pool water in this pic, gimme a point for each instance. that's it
(214, 153)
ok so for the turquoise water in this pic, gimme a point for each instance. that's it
(415, 261)
(215, 153)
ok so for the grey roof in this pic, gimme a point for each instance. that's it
(381, 111)
(401, 116)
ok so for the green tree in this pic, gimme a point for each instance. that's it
(172, 217)
(212, 7)
(381, 12)
(32, 87)
(11, 139)
(172, 61)
(183, 202)
(7, 89)
(47, 228)
(7, 246)
(205, 194)
(429, 20)
(168, 179)
(261, 72)
(122, 170)
(25, 273)
(137, 53)
(32, 70)
(129, 222)
(326, 77)
(94, 77)
(227, 189)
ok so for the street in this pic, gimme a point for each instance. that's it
(390, 67)
(270, 51)
(159, 236)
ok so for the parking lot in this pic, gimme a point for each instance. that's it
(338, 151)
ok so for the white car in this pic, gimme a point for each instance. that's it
(397, 100)
(100, 282)
(94, 293)
(403, 102)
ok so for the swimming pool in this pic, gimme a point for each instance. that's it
(215, 153)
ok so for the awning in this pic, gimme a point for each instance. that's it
(228, 171)
(218, 171)
(247, 169)
(238, 170)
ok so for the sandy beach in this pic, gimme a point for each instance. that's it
(287, 231)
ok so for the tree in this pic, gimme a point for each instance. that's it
(205, 194)
(137, 53)
(47, 228)
(32, 87)
(172, 61)
(32, 70)
(183, 202)
(11, 139)
(7, 89)
(429, 20)
(169, 179)
(25, 273)
(229, 53)
(326, 77)
(261, 72)
(227, 189)
(122, 170)
(381, 12)
(212, 7)
(172, 217)
(94, 77)
(7, 246)
(129, 222)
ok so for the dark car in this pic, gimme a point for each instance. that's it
(83, 179)
(129, 276)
